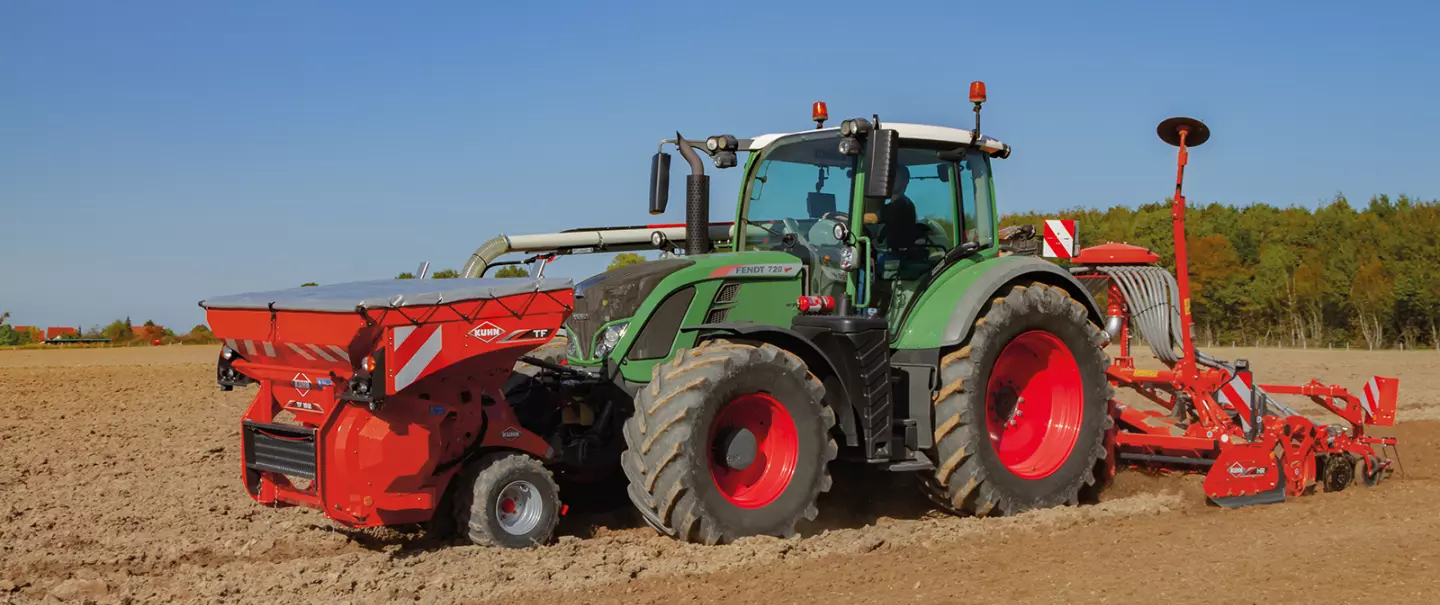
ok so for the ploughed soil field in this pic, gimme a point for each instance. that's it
(120, 483)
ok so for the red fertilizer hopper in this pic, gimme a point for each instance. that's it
(371, 393)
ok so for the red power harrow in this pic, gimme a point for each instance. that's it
(1256, 450)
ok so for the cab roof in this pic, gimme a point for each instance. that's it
(913, 132)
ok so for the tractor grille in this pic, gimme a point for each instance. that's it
(728, 293)
(279, 448)
(615, 294)
(717, 316)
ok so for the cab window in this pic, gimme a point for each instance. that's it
(917, 225)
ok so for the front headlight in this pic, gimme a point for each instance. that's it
(572, 347)
(609, 338)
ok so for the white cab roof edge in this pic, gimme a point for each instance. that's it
(922, 132)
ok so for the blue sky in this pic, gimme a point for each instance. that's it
(156, 153)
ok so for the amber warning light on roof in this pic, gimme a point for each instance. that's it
(977, 92)
(819, 113)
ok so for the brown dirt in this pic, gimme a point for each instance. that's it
(119, 482)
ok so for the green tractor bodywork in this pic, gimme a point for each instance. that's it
(862, 307)
(923, 311)
(928, 301)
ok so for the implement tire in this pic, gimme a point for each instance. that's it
(729, 440)
(999, 454)
(507, 499)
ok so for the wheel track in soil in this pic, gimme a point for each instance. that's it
(121, 480)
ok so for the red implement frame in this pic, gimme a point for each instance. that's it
(1252, 458)
(437, 400)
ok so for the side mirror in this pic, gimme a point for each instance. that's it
(659, 182)
(880, 163)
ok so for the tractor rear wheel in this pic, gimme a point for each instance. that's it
(729, 440)
(1022, 416)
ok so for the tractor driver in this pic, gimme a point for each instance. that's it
(895, 225)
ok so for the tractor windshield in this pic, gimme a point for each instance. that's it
(799, 190)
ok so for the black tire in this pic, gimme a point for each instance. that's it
(668, 460)
(971, 478)
(478, 506)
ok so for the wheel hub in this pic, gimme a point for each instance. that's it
(1035, 404)
(754, 449)
(737, 448)
(519, 507)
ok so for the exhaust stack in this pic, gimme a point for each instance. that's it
(697, 201)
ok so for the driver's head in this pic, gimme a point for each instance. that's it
(902, 179)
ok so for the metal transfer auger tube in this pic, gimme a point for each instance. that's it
(697, 201)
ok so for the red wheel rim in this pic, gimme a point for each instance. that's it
(777, 446)
(1034, 405)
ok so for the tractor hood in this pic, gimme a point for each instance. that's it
(613, 295)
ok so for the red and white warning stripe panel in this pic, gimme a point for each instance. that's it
(413, 351)
(1370, 397)
(1378, 399)
(1236, 395)
(254, 349)
(1060, 239)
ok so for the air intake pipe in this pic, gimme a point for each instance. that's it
(697, 201)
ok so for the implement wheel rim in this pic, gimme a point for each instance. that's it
(1035, 405)
(777, 450)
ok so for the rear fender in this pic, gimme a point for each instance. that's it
(945, 313)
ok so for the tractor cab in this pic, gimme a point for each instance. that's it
(805, 194)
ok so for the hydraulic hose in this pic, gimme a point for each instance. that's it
(1154, 298)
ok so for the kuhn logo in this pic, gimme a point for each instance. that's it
(302, 384)
(510, 434)
(1238, 470)
(486, 332)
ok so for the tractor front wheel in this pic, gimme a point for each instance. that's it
(729, 440)
(1022, 416)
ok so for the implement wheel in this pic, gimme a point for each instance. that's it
(509, 500)
(1022, 416)
(729, 440)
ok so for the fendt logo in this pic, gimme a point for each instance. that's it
(486, 332)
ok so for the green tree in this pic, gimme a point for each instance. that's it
(118, 330)
(200, 334)
(309, 284)
(405, 275)
(625, 259)
(445, 274)
(512, 271)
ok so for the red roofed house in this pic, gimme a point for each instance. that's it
(53, 332)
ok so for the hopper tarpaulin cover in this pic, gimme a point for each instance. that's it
(385, 294)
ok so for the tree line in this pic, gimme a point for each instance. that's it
(1295, 276)
(119, 332)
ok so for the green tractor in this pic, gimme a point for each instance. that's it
(861, 307)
